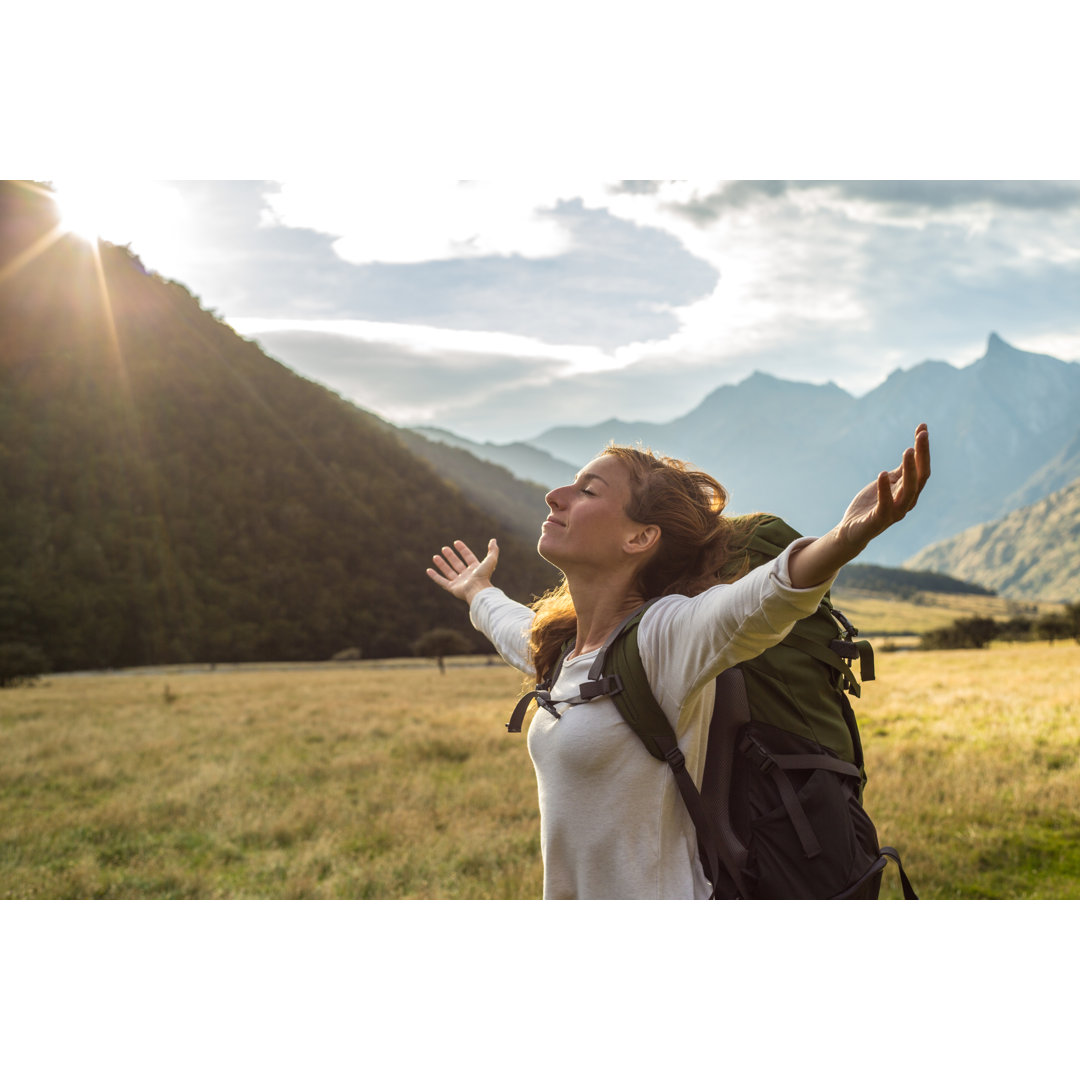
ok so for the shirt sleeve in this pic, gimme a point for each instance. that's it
(687, 641)
(506, 624)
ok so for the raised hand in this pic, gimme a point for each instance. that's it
(887, 500)
(461, 573)
(882, 503)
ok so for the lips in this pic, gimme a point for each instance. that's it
(553, 521)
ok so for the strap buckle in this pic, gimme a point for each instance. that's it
(752, 748)
(605, 687)
(675, 758)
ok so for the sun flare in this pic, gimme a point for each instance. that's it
(148, 215)
(78, 213)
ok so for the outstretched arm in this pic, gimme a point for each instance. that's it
(461, 573)
(879, 505)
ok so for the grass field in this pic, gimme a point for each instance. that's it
(369, 781)
(877, 615)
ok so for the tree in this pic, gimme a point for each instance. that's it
(1054, 626)
(440, 643)
(1072, 614)
(972, 633)
(21, 663)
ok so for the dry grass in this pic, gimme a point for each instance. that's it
(317, 782)
(370, 782)
(974, 763)
(876, 614)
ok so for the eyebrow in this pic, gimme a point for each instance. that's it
(589, 476)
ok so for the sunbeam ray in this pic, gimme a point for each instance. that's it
(41, 244)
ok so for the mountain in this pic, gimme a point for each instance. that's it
(1004, 430)
(1033, 552)
(517, 504)
(172, 494)
(902, 584)
(521, 459)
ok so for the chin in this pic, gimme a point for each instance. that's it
(543, 550)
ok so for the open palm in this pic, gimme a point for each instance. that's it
(886, 500)
(460, 572)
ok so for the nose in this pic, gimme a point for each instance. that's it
(554, 497)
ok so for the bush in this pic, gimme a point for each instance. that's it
(1055, 627)
(21, 663)
(441, 642)
(971, 633)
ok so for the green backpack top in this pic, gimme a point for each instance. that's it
(779, 814)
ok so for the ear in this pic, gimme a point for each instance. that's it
(644, 541)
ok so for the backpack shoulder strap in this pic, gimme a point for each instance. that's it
(639, 708)
(636, 703)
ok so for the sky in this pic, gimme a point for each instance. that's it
(498, 309)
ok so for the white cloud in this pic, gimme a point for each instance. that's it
(437, 341)
(1063, 346)
(413, 221)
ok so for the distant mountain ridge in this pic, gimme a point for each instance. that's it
(1004, 431)
(528, 462)
(1032, 553)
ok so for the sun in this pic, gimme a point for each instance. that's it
(149, 215)
(80, 211)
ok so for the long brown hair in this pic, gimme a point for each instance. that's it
(699, 546)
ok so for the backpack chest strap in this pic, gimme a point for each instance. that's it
(587, 691)
(597, 685)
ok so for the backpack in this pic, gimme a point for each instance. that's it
(779, 815)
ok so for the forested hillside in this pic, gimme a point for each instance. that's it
(172, 494)
(1033, 552)
(902, 584)
(517, 504)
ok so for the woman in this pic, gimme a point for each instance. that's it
(632, 527)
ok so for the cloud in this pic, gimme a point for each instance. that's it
(618, 282)
(419, 221)
(938, 194)
(407, 384)
(908, 196)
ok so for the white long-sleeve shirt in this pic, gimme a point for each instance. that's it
(612, 823)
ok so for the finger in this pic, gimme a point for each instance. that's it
(492, 557)
(437, 578)
(905, 480)
(444, 567)
(885, 496)
(909, 486)
(922, 455)
(451, 557)
(465, 552)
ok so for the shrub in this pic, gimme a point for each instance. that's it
(1054, 627)
(970, 633)
(21, 663)
(441, 642)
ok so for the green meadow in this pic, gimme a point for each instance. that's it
(391, 781)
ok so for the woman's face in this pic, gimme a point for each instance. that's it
(588, 523)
